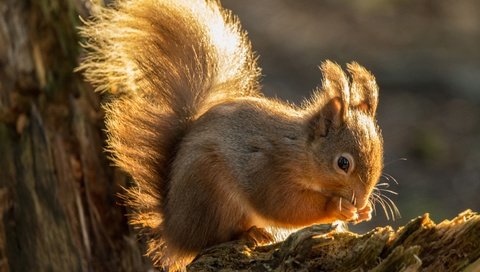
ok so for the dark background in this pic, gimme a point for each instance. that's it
(426, 57)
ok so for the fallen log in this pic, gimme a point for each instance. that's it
(421, 245)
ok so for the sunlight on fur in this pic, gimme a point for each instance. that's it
(211, 157)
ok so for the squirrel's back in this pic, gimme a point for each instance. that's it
(166, 62)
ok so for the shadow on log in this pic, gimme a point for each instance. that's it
(421, 245)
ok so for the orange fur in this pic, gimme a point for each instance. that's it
(210, 156)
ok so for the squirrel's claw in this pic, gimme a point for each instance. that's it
(341, 209)
(364, 214)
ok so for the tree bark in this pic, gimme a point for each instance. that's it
(58, 194)
(421, 245)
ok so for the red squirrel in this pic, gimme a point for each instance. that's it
(211, 157)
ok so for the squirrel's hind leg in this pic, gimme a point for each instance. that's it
(201, 209)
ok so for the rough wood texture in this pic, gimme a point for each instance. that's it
(58, 199)
(421, 245)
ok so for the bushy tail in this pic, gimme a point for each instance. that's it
(166, 61)
(181, 52)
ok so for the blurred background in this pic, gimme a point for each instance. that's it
(425, 55)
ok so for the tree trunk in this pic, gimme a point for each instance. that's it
(58, 194)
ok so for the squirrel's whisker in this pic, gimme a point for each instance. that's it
(382, 203)
(394, 206)
(361, 180)
(389, 203)
(391, 177)
(388, 191)
(394, 161)
(372, 204)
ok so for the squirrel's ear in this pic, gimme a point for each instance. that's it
(363, 90)
(330, 104)
(327, 117)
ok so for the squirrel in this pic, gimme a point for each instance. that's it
(212, 159)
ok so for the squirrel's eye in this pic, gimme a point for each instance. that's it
(343, 163)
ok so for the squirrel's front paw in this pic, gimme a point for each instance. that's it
(364, 214)
(339, 208)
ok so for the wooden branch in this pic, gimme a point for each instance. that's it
(421, 245)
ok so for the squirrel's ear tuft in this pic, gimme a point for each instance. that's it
(335, 84)
(330, 104)
(363, 89)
